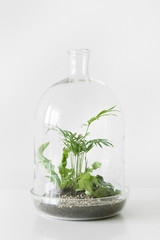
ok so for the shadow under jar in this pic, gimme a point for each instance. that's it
(79, 147)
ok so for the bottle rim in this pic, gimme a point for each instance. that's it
(78, 51)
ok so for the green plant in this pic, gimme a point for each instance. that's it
(77, 146)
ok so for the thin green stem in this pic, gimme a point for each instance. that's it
(86, 131)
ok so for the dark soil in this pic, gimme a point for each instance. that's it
(81, 209)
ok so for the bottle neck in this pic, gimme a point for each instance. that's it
(79, 62)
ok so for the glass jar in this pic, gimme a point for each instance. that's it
(79, 147)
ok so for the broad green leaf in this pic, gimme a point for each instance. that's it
(62, 167)
(64, 182)
(117, 191)
(101, 192)
(64, 157)
(48, 164)
(84, 183)
(41, 150)
(84, 176)
(96, 165)
(67, 181)
(95, 181)
(102, 182)
(106, 192)
(88, 189)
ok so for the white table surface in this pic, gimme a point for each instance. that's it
(140, 219)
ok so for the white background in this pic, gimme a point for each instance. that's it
(124, 37)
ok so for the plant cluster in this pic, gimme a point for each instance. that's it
(76, 146)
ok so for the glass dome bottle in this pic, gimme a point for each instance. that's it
(79, 147)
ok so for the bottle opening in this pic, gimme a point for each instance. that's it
(79, 62)
(78, 51)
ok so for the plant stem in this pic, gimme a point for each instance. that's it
(80, 163)
(81, 160)
(73, 162)
(77, 166)
(86, 131)
(85, 163)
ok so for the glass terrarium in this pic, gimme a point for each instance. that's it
(79, 147)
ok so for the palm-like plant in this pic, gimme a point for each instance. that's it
(77, 146)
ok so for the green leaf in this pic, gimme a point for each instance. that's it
(64, 157)
(106, 189)
(62, 167)
(66, 174)
(48, 164)
(94, 180)
(101, 192)
(106, 192)
(106, 112)
(96, 165)
(67, 181)
(85, 176)
(84, 183)
(49, 129)
(41, 150)
(84, 125)
(80, 136)
(117, 191)
(88, 189)
(103, 113)
(101, 181)
(92, 120)
(97, 142)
